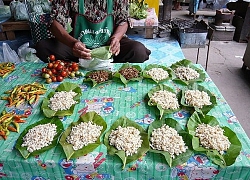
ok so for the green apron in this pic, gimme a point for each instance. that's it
(93, 34)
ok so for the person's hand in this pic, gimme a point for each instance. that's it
(114, 46)
(80, 50)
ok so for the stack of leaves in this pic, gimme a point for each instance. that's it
(6, 68)
(101, 53)
(9, 122)
(27, 93)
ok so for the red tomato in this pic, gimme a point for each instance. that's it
(55, 65)
(53, 78)
(44, 70)
(59, 78)
(49, 72)
(70, 69)
(54, 71)
(74, 65)
(59, 67)
(75, 68)
(50, 65)
(52, 57)
(64, 73)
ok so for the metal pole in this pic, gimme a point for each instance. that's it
(167, 7)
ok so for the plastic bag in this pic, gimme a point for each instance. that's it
(26, 53)
(18, 10)
(96, 64)
(9, 55)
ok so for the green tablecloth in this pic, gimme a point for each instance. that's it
(112, 100)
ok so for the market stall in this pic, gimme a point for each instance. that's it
(113, 100)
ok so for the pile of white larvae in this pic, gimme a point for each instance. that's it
(39, 136)
(197, 98)
(83, 134)
(167, 139)
(127, 139)
(212, 137)
(62, 100)
(166, 99)
(186, 73)
(158, 73)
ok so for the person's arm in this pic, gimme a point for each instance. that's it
(116, 37)
(79, 49)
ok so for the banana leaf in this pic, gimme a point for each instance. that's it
(87, 79)
(150, 66)
(68, 148)
(188, 63)
(229, 157)
(23, 150)
(65, 86)
(125, 122)
(123, 79)
(187, 138)
(166, 88)
(102, 52)
(204, 109)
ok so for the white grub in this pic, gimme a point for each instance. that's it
(127, 139)
(39, 136)
(186, 73)
(62, 100)
(83, 134)
(158, 73)
(167, 139)
(212, 137)
(166, 99)
(197, 98)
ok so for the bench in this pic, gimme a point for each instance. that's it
(9, 27)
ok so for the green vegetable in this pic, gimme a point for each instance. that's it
(65, 86)
(68, 148)
(59, 130)
(138, 9)
(101, 53)
(187, 138)
(188, 63)
(230, 155)
(125, 122)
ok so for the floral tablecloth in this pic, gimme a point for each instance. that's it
(112, 100)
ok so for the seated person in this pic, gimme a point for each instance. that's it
(95, 23)
(239, 6)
